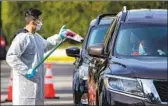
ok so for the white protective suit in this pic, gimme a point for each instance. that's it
(25, 52)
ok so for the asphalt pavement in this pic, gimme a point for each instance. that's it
(62, 80)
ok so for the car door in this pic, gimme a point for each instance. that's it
(96, 66)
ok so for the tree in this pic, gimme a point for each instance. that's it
(75, 14)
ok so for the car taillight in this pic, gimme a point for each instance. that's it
(2, 41)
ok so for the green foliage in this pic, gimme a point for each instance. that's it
(75, 14)
(0, 16)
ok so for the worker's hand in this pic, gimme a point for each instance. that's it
(65, 33)
(30, 73)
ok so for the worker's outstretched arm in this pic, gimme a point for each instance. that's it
(15, 51)
(54, 40)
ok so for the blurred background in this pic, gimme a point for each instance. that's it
(75, 14)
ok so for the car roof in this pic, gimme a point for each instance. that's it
(93, 22)
(103, 21)
(106, 20)
(147, 16)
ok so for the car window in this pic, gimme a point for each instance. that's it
(138, 40)
(97, 35)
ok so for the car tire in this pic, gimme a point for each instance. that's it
(76, 98)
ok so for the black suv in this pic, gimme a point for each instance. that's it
(96, 34)
(130, 68)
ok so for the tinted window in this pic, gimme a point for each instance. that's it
(138, 39)
(97, 35)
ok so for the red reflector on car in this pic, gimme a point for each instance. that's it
(2, 41)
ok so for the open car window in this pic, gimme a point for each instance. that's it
(142, 40)
(97, 35)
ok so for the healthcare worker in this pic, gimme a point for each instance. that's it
(26, 51)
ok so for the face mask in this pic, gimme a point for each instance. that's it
(38, 27)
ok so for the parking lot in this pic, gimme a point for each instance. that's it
(98, 53)
(62, 79)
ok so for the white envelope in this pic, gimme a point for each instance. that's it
(77, 37)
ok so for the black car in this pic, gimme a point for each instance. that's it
(3, 44)
(96, 34)
(130, 68)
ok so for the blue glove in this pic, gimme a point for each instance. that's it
(30, 73)
(66, 33)
(61, 32)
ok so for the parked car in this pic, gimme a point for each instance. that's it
(130, 67)
(96, 34)
(3, 44)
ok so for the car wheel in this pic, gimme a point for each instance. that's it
(76, 98)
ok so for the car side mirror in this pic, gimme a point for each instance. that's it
(73, 52)
(96, 51)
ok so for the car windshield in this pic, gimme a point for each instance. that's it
(142, 40)
(97, 35)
